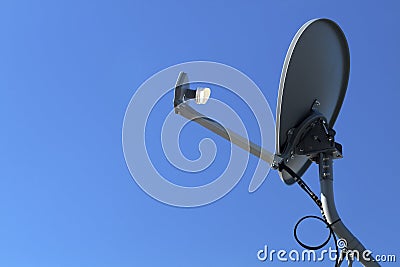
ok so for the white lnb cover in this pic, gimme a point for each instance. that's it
(202, 95)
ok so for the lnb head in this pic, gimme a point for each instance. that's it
(184, 93)
(202, 95)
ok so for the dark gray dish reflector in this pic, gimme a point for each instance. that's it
(316, 67)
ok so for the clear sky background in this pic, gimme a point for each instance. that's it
(67, 72)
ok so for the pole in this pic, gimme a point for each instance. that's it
(328, 204)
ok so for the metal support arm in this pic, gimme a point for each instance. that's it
(191, 114)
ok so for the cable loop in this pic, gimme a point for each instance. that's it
(305, 245)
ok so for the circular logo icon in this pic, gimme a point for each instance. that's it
(341, 243)
(151, 125)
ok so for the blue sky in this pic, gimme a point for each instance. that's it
(67, 72)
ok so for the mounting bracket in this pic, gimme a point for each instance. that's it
(311, 137)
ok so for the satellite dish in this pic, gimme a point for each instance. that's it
(315, 72)
(311, 92)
